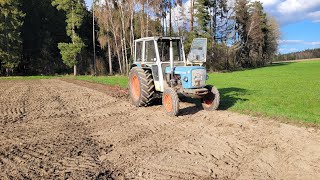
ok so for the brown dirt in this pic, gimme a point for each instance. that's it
(56, 129)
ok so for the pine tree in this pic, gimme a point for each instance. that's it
(203, 18)
(42, 30)
(75, 12)
(10, 40)
(256, 34)
(242, 17)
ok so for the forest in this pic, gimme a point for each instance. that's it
(51, 37)
(306, 54)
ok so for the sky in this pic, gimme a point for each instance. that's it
(299, 22)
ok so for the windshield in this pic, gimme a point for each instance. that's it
(164, 50)
(198, 50)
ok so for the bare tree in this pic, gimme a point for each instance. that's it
(102, 14)
(191, 14)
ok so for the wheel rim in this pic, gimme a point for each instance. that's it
(209, 100)
(167, 102)
(135, 87)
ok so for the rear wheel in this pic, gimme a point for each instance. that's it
(141, 86)
(170, 101)
(210, 101)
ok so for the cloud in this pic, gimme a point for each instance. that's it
(291, 11)
(287, 42)
(288, 46)
(290, 41)
(286, 11)
(296, 6)
(269, 2)
(315, 16)
(314, 43)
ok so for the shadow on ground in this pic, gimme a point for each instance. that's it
(280, 64)
(193, 109)
(230, 96)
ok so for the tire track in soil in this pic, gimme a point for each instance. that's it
(13, 109)
(206, 145)
(159, 142)
(50, 141)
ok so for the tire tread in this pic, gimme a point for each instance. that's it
(175, 101)
(146, 86)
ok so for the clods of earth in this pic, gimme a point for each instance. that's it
(53, 129)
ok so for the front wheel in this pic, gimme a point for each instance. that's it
(210, 101)
(170, 101)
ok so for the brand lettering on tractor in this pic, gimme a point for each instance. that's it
(198, 77)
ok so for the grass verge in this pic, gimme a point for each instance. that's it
(121, 81)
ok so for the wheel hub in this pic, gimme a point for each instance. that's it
(168, 102)
(135, 87)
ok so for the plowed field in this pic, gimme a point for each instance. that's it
(52, 129)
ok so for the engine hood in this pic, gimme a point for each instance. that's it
(183, 69)
(191, 76)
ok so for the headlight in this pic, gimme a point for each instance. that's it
(185, 79)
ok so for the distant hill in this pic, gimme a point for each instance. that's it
(306, 54)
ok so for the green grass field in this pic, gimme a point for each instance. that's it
(286, 90)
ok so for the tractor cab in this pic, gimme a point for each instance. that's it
(160, 64)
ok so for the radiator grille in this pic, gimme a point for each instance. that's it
(199, 77)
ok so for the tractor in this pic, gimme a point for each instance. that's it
(161, 70)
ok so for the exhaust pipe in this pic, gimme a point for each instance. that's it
(171, 63)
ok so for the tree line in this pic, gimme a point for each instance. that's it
(306, 54)
(56, 36)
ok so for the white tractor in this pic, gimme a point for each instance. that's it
(160, 69)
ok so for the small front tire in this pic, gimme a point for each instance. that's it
(211, 101)
(170, 101)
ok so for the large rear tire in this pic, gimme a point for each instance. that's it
(170, 101)
(141, 86)
(211, 101)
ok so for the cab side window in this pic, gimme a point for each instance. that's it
(164, 50)
(139, 51)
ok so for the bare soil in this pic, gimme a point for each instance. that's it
(52, 129)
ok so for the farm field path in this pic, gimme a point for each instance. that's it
(56, 129)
